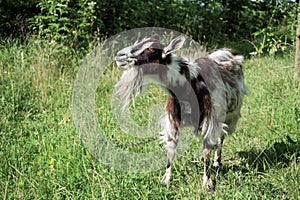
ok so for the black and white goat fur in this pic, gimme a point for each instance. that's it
(182, 79)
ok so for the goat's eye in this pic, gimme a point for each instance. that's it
(133, 51)
(121, 54)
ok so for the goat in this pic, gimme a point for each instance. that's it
(191, 87)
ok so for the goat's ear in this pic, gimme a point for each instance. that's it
(174, 45)
(138, 48)
(155, 37)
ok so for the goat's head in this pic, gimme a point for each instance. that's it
(140, 58)
(148, 51)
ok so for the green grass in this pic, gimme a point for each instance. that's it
(42, 156)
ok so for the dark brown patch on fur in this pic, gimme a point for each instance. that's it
(173, 108)
(184, 69)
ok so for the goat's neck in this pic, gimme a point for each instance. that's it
(173, 75)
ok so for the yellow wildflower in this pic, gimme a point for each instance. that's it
(51, 163)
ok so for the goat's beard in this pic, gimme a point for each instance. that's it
(129, 86)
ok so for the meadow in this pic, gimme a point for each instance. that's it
(42, 156)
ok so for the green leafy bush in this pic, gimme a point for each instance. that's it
(67, 22)
(277, 26)
(269, 26)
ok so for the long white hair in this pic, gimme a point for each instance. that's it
(129, 85)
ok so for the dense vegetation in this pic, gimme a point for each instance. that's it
(269, 24)
(42, 46)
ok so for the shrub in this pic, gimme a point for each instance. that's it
(71, 23)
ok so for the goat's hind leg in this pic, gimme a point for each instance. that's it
(218, 154)
(207, 180)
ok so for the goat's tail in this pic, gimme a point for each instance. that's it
(227, 58)
(231, 61)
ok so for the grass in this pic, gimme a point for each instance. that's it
(42, 156)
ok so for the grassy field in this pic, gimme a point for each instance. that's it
(42, 156)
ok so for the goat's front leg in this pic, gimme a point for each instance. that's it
(171, 151)
(171, 123)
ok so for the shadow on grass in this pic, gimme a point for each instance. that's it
(279, 155)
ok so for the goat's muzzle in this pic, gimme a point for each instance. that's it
(124, 61)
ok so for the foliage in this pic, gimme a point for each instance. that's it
(14, 17)
(66, 22)
(188, 16)
(269, 25)
(278, 26)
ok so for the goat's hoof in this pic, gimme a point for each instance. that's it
(208, 184)
(166, 179)
(210, 187)
(217, 165)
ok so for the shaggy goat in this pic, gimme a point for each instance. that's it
(196, 96)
